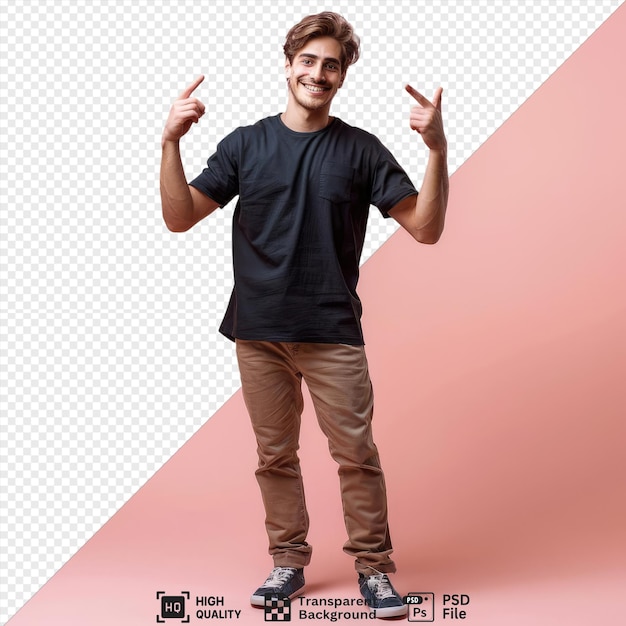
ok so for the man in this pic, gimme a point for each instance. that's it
(305, 181)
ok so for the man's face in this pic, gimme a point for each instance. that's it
(315, 74)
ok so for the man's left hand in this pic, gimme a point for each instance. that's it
(427, 120)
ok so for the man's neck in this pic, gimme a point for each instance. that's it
(303, 121)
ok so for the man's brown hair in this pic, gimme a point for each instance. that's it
(326, 24)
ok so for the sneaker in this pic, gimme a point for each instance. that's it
(286, 581)
(381, 596)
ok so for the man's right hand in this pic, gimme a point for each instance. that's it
(184, 112)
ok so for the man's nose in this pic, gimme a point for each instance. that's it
(317, 73)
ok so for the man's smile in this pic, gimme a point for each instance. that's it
(315, 88)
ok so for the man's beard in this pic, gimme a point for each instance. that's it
(310, 104)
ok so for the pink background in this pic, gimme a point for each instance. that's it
(498, 359)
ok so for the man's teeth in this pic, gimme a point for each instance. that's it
(314, 88)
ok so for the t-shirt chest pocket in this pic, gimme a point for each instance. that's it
(336, 182)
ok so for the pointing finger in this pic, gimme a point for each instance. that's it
(418, 96)
(437, 99)
(191, 88)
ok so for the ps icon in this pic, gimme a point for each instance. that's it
(421, 606)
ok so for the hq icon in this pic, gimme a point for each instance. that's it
(172, 607)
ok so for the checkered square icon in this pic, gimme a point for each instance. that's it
(277, 608)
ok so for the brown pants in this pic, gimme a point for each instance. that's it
(338, 380)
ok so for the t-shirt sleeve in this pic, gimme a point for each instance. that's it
(391, 183)
(220, 179)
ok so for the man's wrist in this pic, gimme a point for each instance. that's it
(173, 143)
(441, 152)
(443, 148)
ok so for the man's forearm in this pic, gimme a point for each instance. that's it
(176, 199)
(432, 201)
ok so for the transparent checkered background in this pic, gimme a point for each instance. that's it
(110, 356)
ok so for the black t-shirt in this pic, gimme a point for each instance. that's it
(299, 226)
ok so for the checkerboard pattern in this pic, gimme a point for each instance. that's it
(110, 356)
(277, 608)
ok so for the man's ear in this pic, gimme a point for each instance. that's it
(287, 68)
